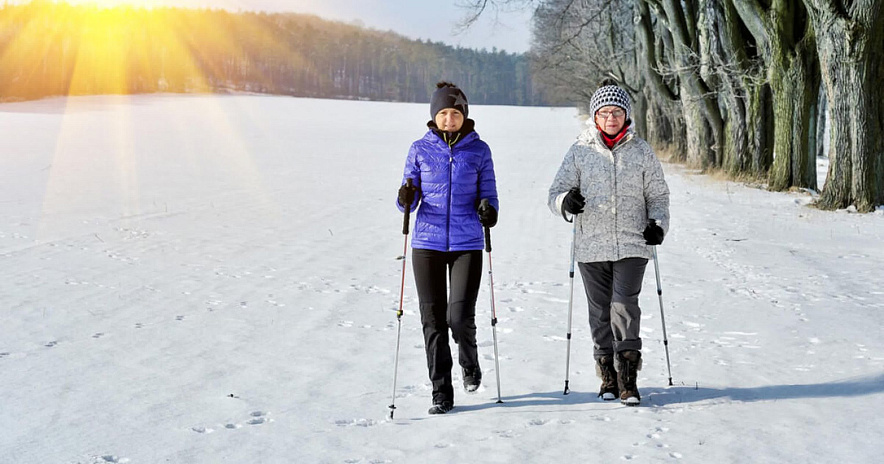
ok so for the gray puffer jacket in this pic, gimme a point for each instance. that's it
(623, 187)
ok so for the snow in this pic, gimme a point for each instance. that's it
(205, 279)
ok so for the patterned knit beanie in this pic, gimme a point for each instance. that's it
(447, 95)
(609, 95)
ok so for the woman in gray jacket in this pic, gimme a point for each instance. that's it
(611, 183)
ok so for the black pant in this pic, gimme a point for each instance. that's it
(443, 309)
(612, 290)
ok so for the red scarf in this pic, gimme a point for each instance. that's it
(611, 141)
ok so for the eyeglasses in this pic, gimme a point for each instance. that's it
(616, 113)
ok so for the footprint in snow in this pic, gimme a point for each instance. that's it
(355, 422)
(258, 418)
(505, 433)
(115, 459)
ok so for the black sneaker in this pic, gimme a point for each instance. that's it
(472, 378)
(441, 408)
(604, 368)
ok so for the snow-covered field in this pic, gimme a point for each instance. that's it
(208, 279)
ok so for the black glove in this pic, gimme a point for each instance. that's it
(406, 195)
(487, 214)
(574, 201)
(653, 233)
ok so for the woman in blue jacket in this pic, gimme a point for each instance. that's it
(452, 172)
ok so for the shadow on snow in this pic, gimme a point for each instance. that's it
(656, 396)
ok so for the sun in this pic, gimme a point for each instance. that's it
(113, 3)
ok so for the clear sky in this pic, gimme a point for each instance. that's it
(435, 20)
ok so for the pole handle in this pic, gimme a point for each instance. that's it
(408, 183)
(484, 204)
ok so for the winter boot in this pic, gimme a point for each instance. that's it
(472, 378)
(628, 363)
(604, 368)
(441, 407)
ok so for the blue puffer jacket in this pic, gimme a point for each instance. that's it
(451, 181)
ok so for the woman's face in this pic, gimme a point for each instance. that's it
(449, 120)
(611, 119)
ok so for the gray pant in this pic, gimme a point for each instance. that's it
(612, 288)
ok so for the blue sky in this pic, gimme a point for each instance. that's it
(437, 20)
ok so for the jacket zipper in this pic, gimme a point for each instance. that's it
(450, 187)
(616, 238)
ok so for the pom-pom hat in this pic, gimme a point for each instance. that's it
(448, 96)
(609, 95)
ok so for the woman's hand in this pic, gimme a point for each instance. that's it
(487, 214)
(653, 233)
(573, 202)
(407, 194)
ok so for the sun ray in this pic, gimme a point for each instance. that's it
(84, 50)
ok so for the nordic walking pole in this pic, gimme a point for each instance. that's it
(409, 183)
(484, 203)
(662, 316)
(570, 305)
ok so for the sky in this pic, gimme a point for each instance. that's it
(437, 21)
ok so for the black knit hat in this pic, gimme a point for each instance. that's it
(608, 95)
(447, 95)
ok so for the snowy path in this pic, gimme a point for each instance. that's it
(213, 279)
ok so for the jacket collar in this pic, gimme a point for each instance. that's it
(466, 132)
(592, 137)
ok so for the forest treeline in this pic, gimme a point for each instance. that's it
(746, 87)
(50, 49)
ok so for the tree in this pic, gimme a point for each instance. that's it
(783, 32)
(850, 38)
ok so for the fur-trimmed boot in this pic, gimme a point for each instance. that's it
(628, 363)
(604, 368)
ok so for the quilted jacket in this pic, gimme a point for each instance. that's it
(623, 187)
(451, 181)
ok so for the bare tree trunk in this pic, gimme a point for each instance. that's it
(739, 77)
(853, 90)
(793, 81)
(782, 31)
(640, 111)
(821, 122)
(760, 124)
(703, 121)
(657, 95)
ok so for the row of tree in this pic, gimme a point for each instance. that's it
(745, 86)
(51, 49)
